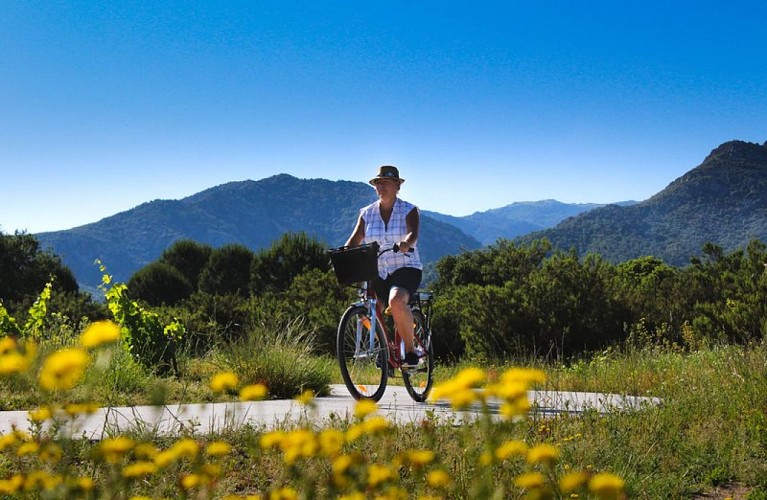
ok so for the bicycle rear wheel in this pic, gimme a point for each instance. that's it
(418, 381)
(364, 367)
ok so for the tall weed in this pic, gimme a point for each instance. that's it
(280, 354)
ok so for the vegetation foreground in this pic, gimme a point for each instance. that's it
(710, 431)
(694, 337)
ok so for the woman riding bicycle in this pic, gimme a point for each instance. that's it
(391, 220)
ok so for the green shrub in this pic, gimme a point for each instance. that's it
(279, 354)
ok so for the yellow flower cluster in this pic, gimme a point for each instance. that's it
(63, 369)
(125, 465)
(39, 456)
(353, 475)
(511, 389)
(467, 388)
(100, 333)
(460, 390)
(15, 358)
(229, 381)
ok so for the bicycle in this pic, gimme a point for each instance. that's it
(367, 354)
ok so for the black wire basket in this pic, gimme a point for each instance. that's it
(355, 264)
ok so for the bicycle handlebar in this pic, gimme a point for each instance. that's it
(395, 248)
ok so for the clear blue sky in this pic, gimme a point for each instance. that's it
(107, 104)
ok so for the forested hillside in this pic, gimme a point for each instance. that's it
(722, 201)
(514, 220)
(251, 213)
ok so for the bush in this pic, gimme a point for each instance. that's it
(159, 284)
(279, 354)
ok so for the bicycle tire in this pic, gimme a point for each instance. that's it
(365, 374)
(419, 381)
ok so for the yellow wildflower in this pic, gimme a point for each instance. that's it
(530, 480)
(41, 480)
(605, 485)
(528, 376)
(185, 448)
(462, 398)
(139, 469)
(63, 369)
(164, 458)
(470, 377)
(300, 443)
(467, 378)
(113, 449)
(209, 471)
(306, 397)
(7, 440)
(218, 449)
(225, 381)
(354, 432)
(145, 451)
(342, 463)
(51, 453)
(511, 448)
(12, 362)
(543, 454)
(375, 425)
(7, 345)
(11, 485)
(378, 474)
(438, 478)
(356, 495)
(85, 483)
(364, 407)
(331, 441)
(420, 458)
(29, 448)
(572, 481)
(515, 408)
(271, 439)
(73, 409)
(15, 358)
(41, 414)
(286, 493)
(254, 392)
(190, 481)
(99, 333)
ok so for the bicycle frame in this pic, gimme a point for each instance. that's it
(369, 301)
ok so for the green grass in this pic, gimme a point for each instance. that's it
(709, 432)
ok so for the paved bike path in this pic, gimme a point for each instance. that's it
(395, 405)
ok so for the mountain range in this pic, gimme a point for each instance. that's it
(723, 200)
(256, 213)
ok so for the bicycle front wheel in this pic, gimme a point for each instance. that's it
(364, 364)
(418, 381)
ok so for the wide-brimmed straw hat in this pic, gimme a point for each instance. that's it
(387, 172)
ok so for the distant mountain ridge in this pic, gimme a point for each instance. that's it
(252, 213)
(516, 219)
(723, 200)
(256, 213)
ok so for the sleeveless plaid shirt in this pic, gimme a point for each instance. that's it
(386, 234)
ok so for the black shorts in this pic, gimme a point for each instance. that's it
(408, 278)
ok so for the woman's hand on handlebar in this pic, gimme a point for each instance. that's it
(403, 247)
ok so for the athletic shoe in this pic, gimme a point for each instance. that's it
(411, 360)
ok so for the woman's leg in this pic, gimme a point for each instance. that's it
(403, 316)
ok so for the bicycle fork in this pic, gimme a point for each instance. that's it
(371, 326)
